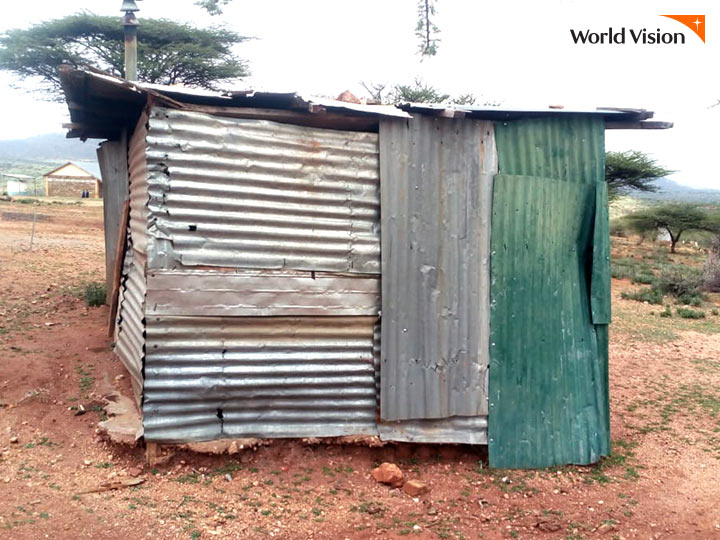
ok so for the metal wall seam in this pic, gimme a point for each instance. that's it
(226, 377)
(138, 171)
(244, 193)
(254, 293)
(436, 199)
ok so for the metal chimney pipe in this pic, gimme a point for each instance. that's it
(130, 23)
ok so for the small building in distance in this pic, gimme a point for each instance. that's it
(70, 180)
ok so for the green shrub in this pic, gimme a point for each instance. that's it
(686, 313)
(694, 300)
(26, 201)
(643, 278)
(667, 312)
(95, 294)
(650, 295)
(679, 281)
(715, 311)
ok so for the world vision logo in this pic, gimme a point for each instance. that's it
(696, 23)
(641, 36)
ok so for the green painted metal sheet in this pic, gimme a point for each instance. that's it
(548, 362)
(569, 148)
(600, 281)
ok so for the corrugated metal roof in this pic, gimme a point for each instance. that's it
(504, 112)
(228, 377)
(436, 196)
(245, 193)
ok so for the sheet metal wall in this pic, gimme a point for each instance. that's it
(263, 279)
(256, 194)
(436, 196)
(130, 322)
(548, 375)
(265, 376)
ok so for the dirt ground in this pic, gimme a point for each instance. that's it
(662, 481)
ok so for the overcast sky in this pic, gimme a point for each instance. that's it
(519, 53)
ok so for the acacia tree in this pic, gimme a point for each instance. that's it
(675, 218)
(168, 52)
(417, 92)
(631, 170)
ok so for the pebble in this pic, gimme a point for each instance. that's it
(14, 440)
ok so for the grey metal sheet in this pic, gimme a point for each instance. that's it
(244, 193)
(139, 197)
(130, 322)
(224, 377)
(456, 429)
(436, 200)
(254, 293)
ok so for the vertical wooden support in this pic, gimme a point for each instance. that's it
(113, 160)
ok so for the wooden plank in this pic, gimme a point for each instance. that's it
(112, 157)
(119, 256)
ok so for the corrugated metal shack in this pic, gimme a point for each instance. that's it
(299, 267)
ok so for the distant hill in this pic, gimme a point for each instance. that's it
(670, 190)
(48, 147)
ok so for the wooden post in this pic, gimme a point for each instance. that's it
(32, 234)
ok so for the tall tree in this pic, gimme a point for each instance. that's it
(631, 170)
(168, 52)
(426, 30)
(675, 218)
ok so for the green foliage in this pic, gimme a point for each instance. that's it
(95, 294)
(687, 313)
(649, 294)
(417, 92)
(426, 31)
(631, 170)
(168, 52)
(667, 313)
(213, 7)
(679, 281)
(675, 218)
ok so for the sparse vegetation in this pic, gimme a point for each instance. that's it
(95, 294)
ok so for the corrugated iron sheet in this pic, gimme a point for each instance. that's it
(254, 293)
(224, 377)
(453, 430)
(257, 194)
(548, 393)
(600, 280)
(436, 195)
(563, 148)
(130, 322)
(138, 171)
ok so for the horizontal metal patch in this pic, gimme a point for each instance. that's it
(260, 293)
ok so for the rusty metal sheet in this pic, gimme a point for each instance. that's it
(227, 377)
(257, 194)
(248, 293)
(436, 195)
